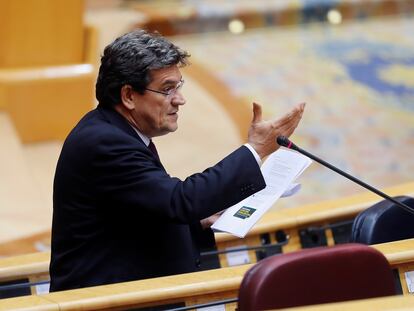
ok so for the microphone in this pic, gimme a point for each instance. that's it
(285, 142)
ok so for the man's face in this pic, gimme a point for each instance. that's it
(156, 114)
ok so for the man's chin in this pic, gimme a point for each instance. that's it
(169, 129)
(173, 129)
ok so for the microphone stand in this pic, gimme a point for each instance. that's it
(285, 142)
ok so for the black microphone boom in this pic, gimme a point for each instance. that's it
(285, 142)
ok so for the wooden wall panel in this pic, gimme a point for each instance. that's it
(40, 32)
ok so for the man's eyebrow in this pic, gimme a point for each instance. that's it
(169, 81)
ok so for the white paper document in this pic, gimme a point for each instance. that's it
(279, 171)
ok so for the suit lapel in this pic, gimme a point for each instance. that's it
(119, 121)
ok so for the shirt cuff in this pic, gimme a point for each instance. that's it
(255, 154)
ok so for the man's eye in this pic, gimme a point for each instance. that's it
(168, 89)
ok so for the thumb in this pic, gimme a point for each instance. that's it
(257, 113)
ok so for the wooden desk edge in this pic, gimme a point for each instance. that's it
(326, 210)
(181, 286)
(24, 265)
(402, 303)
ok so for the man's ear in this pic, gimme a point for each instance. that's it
(127, 97)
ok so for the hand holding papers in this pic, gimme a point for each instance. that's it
(279, 171)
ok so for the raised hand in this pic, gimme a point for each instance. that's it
(263, 133)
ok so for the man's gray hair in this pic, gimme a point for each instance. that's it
(129, 60)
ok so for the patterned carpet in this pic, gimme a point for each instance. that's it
(357, 80)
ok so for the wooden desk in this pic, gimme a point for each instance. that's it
(188, 289)
(307, 226)
(292, 222)
(397, 303)
(400, 255)
(25, 269)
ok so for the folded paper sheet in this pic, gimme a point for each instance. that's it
(279, 171)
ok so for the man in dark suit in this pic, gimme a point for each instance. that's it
(117, 214)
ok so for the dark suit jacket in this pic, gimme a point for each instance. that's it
(118, 215)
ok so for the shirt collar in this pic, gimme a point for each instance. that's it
(144, 138)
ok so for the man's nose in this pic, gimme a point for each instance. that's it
(178, 98)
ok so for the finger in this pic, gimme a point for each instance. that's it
(288, 118)
(297, 111)
(301, 106)
(257, 113)
(302, 109)
(290, 128)
(298, 108)
(287, 128)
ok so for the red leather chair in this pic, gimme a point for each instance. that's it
(315, 276)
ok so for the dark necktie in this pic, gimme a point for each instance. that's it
(151, 147)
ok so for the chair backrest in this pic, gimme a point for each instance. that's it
(384, 222)
(315, 276)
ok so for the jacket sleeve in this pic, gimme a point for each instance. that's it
(128, 174)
